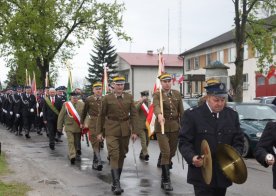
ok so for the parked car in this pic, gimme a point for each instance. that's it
(266, 99)
(193, 102)
(185, 104)
(253, 119)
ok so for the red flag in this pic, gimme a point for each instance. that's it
(271, 72)
(173, 79)
(180, 80)
(151, 117)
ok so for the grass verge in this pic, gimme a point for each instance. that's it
(10, 189)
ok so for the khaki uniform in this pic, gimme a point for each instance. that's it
(71, 127)
(141, 124)
(118, 116)
(172, 112)
(90, 114)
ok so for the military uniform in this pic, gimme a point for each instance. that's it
(90, 114)
(118, 117)
(172, 112)
(28, 112)
(142, 116)
(71, 128)
(265, 146)
(17, 109)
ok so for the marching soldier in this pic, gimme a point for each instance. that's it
(170, 117)
(70, 116)
(142, 108)
(90, 114)
(28, 110)
(118, 117)
(51, 107)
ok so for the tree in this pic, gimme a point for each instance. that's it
(103, 53)
(42, 32)
(249, 28)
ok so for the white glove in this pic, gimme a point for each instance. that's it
(5, 111)
(37, 105)
(41, 114)
(31, 110)
(11, 113)
(17, 115)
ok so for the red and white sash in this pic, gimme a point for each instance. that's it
(145, 109)
(72, 112)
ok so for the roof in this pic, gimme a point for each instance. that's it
(228, 36)
(223, 38)
(145, 59)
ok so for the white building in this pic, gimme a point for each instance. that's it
(141, 70)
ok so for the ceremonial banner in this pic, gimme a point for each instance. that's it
(69, 84)
(105, 82)
(151, 117)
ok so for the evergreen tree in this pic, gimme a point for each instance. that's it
(103, 53)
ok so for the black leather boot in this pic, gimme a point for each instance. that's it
(159, 161)
(165, 178)
(120, 171)
(95, 162)
(100, 164)
(116, 187)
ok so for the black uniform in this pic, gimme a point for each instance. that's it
(17, 110)
(28, 112)
(265, 146)
(51, 117)
(199, 124)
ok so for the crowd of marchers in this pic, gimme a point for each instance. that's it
(118, 119)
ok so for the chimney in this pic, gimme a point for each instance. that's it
(150, 52)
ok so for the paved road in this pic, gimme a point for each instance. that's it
(50, 173)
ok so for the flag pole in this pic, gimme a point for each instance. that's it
(160, 92)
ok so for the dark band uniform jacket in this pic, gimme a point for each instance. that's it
(199, 124)
(265, 145)
(118, 120)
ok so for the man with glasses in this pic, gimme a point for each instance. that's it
(90, 115)
(170, 118)
(117, 121)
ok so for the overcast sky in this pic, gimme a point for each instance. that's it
(154, 24)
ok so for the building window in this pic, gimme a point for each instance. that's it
(272, 80)
(245, 54)
(260, 81)
(220, 56)
(196, 62)
(126, 77)
(245, 81)
(188, 67)
(208, 59)
(232, 55)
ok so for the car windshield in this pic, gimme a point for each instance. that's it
(186, 105)
(256, 112)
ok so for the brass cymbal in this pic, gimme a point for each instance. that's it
(231, 163)
(206, 168)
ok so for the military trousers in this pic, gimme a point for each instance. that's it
(95, 144)
(117, 147)
(168, 145)
(73, 142)
(144, 141)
